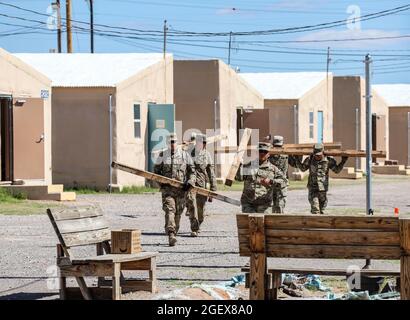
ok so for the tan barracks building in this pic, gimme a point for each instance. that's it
(86, 135)
(210, 95)
(25, 123)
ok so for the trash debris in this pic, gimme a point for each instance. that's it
(230, 290)
(364, 295)
(314, 283)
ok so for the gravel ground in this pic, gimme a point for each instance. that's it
(27, 243)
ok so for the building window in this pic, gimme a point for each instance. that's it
(137, 121)
(311, 124)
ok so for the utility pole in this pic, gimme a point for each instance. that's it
(328, 60)
(369, 210)
(165, 37)
(92, 26)
(58, 9)
(230, 46)
(68, 23)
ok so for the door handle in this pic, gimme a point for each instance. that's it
(41, 139)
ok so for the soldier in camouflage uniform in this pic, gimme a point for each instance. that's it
(280, 161)
(260, 182)
(204, 171)
(319, 165)
(176, 164)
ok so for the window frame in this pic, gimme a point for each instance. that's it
(134, 120)
(311, 124)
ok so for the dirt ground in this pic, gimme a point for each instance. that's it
(27, 242)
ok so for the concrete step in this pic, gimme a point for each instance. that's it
(393, 170)
(61, 196)
(42, 192)
(346, 173)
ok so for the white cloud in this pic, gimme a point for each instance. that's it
(353, 34)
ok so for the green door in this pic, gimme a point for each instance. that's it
(161, 121)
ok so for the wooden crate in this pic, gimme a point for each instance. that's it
(126, 241)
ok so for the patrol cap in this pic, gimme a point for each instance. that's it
(264, 146)
(277, 140)
(201, 138)
(172, 137)
(318, 149)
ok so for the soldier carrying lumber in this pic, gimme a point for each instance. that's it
(204, 171)
(260, 182)
(175, 163)
(319, 165)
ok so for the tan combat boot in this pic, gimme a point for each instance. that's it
(172, 240)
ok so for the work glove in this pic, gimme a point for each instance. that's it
(344, 159)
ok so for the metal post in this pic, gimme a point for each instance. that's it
(357, 123)
(295, 124)
(92, 26)
(369, 210)
(110, 113)
(408, 138)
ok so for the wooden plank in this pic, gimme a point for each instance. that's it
(257, 283)
(331, 271)
(333, 251)
(86, 238)
(116, 285)
(238, 157)
(132, 285)
(145, 264)
(337, 237)
(87, 270)
(328, 146)
(331, 152)
(84, 224)
(78, 212)
(113, 258)
(84, 289)
(293, 221)
(405, 258)
(174, 183)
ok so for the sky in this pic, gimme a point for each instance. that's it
(286, 52)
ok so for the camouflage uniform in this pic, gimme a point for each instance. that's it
(179, 166)
(204, 171)
(257, 198)
(318, 181)
(279, 194)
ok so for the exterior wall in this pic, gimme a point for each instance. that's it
(234, 93)
(349, 94)
(281, 118)
(23, 82)
(80, 120)
(318, 99)
(205, 87)
(196, 85)
(399, 142)
(154, 84)
(380, 107)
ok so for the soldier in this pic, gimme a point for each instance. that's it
(281, 161)
(260, 182)
(204, 171)
(176, 164)
(318, 181)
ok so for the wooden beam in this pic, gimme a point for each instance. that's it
(327, 145)
(405, 258)
(174, 183)
(238, 157)
(258, 265)
(331, 152)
